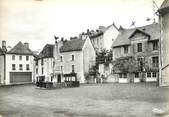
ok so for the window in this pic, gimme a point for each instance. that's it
(149, 74)
(125, 75)
(27, 67)
(139, 47)
(155, 45)
(42, 70)
(155, 61)
(137, 75)
(13, 57)
(36, 62)
(20, 67)
(120, 75)
(27, 58)
(36, 70)
(20, 57)
(61, 67)
(13, 67)
(73, 68)
(154, 74)
(61, 58)
(42, 61)
(73, 57)
(125, 49)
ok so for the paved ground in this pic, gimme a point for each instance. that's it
(107, 100)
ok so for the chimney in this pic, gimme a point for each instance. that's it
(26, 45)
(121, 28)
(3, 44)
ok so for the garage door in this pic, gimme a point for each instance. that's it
(19, 77)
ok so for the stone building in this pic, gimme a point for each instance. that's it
(142, 45)
(164, 45)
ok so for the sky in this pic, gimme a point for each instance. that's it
(37, 21)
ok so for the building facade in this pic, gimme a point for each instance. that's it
(44, 64)
(18, 65)
(164, 53)
(142, 45)
(74, 56)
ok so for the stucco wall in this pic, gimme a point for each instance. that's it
(165, 50)
(109, 35)
(2, 69)
(9, 63)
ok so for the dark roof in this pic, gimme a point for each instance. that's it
(73, 45)
(96, 35)
(47, 51)
(164, 7)
(20, 49)
(123, 37)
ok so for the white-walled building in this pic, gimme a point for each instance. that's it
(18, 65)
(44, 64)
(74, 56)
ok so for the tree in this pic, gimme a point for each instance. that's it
(126, 64)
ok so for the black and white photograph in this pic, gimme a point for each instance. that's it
(84, 58)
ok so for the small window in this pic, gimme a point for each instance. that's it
(137, 75)
(61, 59)
(125, 75)
(125, 49)
(36, 62)
(20, 57)
(13, 67)
(139, 47)
(42, 70)
(154, 74)
(120, 76)
(155, 45)
(73, 68)
(149, 74)
(61, 67)
(27, 67)
(155, 61)
(13, 57)
(42, 61)
(73, 57)
(27, 58)
(36, 70)
(20, 67)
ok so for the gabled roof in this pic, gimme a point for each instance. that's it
(138, 31)
(20, 49)
(123, 37)
(164, 7)
(47, 51)
(72, 45)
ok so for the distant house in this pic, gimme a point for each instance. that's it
(2, 62)
(103, 37)
(164, 53)
(44, 64)
(140, 44)
(18, 64)
(73, 56)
